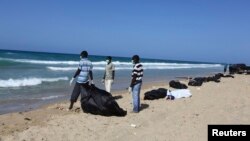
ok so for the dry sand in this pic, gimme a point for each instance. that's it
(227, 102)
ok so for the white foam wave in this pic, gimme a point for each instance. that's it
(50, 97)
(47, 62)
(75, 68)
(158, 66)
(114, 62)
(28, 81)
(41, 61)
(10, 53)
(154, 65)
(62, 68)
(99, 65)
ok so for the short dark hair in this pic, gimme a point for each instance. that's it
(109, 58)
(136, 58)
(84, 54)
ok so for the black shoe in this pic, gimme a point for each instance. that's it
(71, 105)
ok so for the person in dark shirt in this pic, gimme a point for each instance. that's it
(136, 82)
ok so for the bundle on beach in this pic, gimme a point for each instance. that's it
(177, 94)
(100, 102)
(239, 69)
(198, 81)
(155, 94)
(177, 84)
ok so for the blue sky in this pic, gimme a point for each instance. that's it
(201, 30)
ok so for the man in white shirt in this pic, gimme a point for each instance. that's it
(109, 74)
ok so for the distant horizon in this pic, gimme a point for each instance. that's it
(113, 56)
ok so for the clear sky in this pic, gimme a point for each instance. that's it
(195, 30)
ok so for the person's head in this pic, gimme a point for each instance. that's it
(108, 59)
(84, 54)
(135, 59)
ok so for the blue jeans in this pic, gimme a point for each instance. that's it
(136, 97)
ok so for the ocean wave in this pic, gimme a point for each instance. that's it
(28, 81)
(114, 62)
(62, 68)
(99, 65)
(10, 53)
(47, 97)
(46, 62)
(75, 68)
(50, 97)
(157, 66)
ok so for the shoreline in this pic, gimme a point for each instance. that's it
(64, 99)
(226, 102)
(43, 113)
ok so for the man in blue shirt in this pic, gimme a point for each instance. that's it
(83, 74)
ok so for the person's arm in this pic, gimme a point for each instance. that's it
(104, 75)
(134, 74)
(78, 70)
(113, 75)
(91, 75)
(132, 83)
(77, 73)
(133, 80)
(91, 78)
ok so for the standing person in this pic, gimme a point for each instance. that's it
(136, 82)
(83, 74)
(225, 68)
(109, 74)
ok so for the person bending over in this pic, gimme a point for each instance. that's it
(83, 74)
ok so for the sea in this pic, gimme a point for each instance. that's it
(29, 80)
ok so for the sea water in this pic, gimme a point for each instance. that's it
(31, 79)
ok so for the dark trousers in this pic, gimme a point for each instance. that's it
(80, 88)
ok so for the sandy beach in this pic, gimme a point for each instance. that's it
(227, 102)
